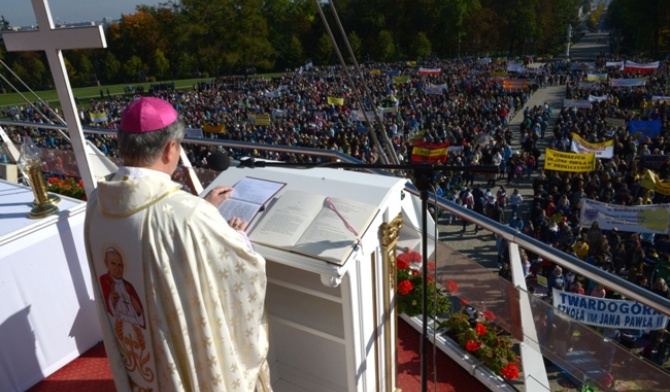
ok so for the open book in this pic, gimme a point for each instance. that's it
(249, 196)
(314, 225)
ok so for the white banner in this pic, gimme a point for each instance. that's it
(615, 64)
(610, 313)
(435, 89)
(633, 64)
(577, 103)
(602, 150)
(655, 98)
(190, 132)
(628, 82)
(593, 98)
(647, 218)
(357, 115)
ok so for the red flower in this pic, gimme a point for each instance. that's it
(405, 287)
(430, 278)
(414, 257)
(403, 264)
(464, 302)
(510, 371)
(80, 182)
(52, 180)
(472, 346)
(481, 329)
(489, 315)
(431, 266)
(452, 287)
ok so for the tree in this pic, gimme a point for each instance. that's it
(296, 54)
(356, 45)
(325, 53)
(110, 68)
(160, 66)
(386, 49)
(422, 48)
(134, 69)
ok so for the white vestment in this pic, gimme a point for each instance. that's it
(201, 287)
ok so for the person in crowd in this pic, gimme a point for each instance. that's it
(201, 283)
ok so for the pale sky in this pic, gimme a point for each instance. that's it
(20, 12)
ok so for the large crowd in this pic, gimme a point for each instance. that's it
(319, 108)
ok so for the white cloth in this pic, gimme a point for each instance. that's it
(201, 288)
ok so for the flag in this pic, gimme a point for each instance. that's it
(401, 79)
(98, 117)
(425, 152)
(643, 128)
(515, 84)
(337, 101)
(214, 128)
(430, 71)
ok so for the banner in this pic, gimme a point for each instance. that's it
(569, 161)
(615, 122)
(499, 74)
(631, 66)
(653, 161)
(358, 115)
(424, 152)
(588, 85)
(214, 128)
(401, 79)
(645, 218)
(615, 64)
(515, 84)
(628, 82)
(577, 103)
(642, 128)
(594, 98)
(194, 133)
(609, 313)
(260, 119)
(337, 101)
(596, 77)
(430, 71)
(603, 150)
(279, 113)
(515, 67)
(650, 180)
(433, 89)
(98, 117)
(655, 98)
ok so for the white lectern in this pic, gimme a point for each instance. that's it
(332, 327)
(47, 316)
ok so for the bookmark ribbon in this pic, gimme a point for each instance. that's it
(331, 205)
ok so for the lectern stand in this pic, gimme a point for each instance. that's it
(332, 327)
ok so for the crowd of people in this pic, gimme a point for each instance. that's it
(470, 109)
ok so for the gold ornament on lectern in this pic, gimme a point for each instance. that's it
(30, 164)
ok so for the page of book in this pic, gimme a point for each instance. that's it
(248, 197)
(314, 225)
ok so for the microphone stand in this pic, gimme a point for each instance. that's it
(424, 173)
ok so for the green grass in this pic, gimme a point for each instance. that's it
(85, 94)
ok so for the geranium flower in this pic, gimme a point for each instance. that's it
(452, 287)
(405, 287)
(481, 329)
(464, 302)
(414, 257)
(402, 263)
(489, 315)
(510, 371)
(472, 346)
(431, 266)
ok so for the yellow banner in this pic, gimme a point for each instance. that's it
(593, 146)
(376, 71)
(214, 128)
(569, 161)
(411, 63)
(262, 119)
(401, 79)
(499, 74)
(653, 182)
(335, 101)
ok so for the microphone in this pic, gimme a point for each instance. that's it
(220, 161)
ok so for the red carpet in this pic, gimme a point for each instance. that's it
(91, 372)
